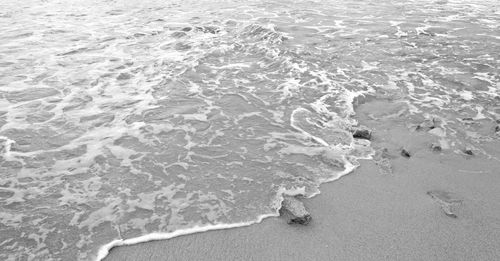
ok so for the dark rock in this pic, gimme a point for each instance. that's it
(446, 200)
(294, 211)
(497, 128)
(436, 147)
(186, 29)
(362, 134)
(468, 151)
(405, 153)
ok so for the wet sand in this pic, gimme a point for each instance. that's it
(367, 215)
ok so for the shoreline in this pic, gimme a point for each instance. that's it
(104, 250)
(347, 225)
(367, 215)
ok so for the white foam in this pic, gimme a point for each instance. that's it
(104, 250)
(369, 66)
(305, 133)
(438, 132)
(422, 29)
(479, 115)
(7, 144)
(466, 95)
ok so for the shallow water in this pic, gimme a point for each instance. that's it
(123, 118)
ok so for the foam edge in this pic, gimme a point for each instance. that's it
(104, 250)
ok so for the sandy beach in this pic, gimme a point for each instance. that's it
(367, 215)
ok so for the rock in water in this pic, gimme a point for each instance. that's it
(446, 200)
(362, 134)
(294, 211)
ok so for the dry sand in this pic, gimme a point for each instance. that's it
(367, 215)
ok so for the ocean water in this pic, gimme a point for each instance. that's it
(123, 121)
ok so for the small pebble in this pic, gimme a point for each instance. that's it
(405, 153)
(468, 152)
(362, 134)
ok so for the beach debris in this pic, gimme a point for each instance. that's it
(436, 147)
(405, 153)
(294, 211)
(468, 151)
(381, 159)
(362, 133)
(448, 201)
